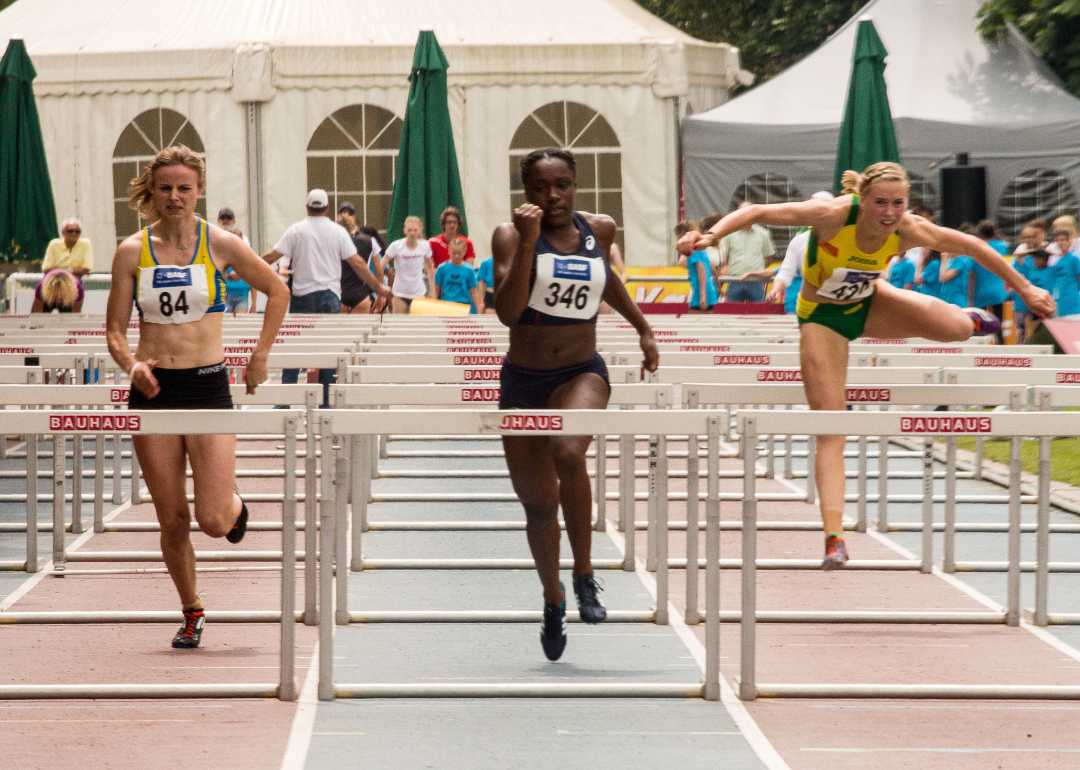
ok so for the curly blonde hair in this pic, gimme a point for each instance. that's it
(141, 189)
(855, 183)
(59, 289)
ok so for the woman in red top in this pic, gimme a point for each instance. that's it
(450, 221)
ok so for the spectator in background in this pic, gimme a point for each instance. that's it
(915, 255)
(681, 229)
(485, 282)
(226, 220)
(411, 256)
(1066, 276)
(712, 251)
(746, 251)
(455, 281)
(70, 251)
(955, 275)
(1068, 225)
(928, 276)
(990, 292)
(1040, 274)
(1031, 239)
(450, 221)
(355, 294)
(902, 272)
(237, 290)
(58, 290)
(316, 247)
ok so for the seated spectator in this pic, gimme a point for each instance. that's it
(58, 290)
(455, 281)
(70, 252)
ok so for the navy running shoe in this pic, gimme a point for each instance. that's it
(553, 629)
(985, 322)
(236, 534)
(189, 635)
(587, 590)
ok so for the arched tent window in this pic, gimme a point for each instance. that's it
(923, 194)
(769, 188)
(352, 155)
(1036, 194)
(150, 133)
(583, 131)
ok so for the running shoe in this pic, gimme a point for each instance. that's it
(835, 553)
(586, 589)
(187, 638)
(986, 323)
(553, 629)
(236, 534)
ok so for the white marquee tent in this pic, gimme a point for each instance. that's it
(950, 92)
(254, 82)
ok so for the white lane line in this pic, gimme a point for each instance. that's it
(36, 578)
(947, 751)
(768, 755)
(304, 721)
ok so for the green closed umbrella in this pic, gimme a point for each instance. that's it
(427, 179)
(27, 211)
(867, 135)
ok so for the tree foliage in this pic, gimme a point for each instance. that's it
(5, 3)
(771, 35)
(1052, 26)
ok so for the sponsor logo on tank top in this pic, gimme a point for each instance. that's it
(480, 394)
(740, 360)
(123, 423)
(16, 350)
(876, 341)
(703, 348)
(1002, 361)
(937, 350)
(1067, 377)
(779, 375)
(937, 425)
(858, 395)
(531, 422)
(470, 349)
(119, 395)
(481, 375)
(477, 360)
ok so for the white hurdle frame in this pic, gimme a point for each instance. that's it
(996, 424)
(168, 422)
(334, 426)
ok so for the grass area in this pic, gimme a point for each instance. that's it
(1064, 456)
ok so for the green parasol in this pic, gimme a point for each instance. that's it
(27, 211)
(427, 179)
(867, 135)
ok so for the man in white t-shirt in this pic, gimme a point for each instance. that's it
(316, 246)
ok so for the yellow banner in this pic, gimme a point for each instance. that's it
(658, 284)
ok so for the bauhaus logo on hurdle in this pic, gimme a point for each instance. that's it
(740, 360)
(937, 350)
(477, 360)
(936, 425)
(1067, 377)
(860, 395)
(16, 350)
(119, 395)
(484, 375)
(1002, 361)
(779, 375)
(236, 361)
(470, 349)
(703, 348)
(480, 394)
(86, 423)
(531, 422)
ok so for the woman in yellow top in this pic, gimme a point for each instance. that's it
(843, 297)
(173, 270)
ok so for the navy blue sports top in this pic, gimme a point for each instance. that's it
(566, 289)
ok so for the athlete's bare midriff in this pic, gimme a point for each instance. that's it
(552, 347)
(182, 346)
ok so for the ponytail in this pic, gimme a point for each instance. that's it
(849, 182)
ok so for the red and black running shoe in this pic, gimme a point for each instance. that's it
(189, 635)
(835, 553)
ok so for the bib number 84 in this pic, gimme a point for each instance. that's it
(168, 307)
(567, 296)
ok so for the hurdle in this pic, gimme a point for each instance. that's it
(998, 424)
(335, 426)
(62, 423)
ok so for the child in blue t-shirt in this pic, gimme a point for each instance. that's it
(1066, 278)
(955, 273)
(485, 279)
(455, 281)
(237, 293)
(929, 282)
(703, 293)
(902, 273)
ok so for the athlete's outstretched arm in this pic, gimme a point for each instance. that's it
(825, 215)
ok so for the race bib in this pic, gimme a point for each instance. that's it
(846, 284)
(173, 294)
(568, 287)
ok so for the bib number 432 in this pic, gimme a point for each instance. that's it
(568, 296)
(169, 306)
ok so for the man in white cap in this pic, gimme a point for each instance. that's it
(316, 246)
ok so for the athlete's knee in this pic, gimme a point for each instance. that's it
(540, 516)
(568, 456)
(216, 522)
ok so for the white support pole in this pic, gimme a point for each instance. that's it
(627, 505)
(747, 682)
(601, 483)
(712, 565)
(882, 523)
(326, 561)
(927, 561)
(662, 533)
(860, 493)
(948, 563)
(692, 616)
(360, 498)
(311, 574)
(136, 484)
(653, 502)
(978, 458)
(99, 483)
(811, 469)
(287, 680)
(59, 463)
(1042, 538)
(76, 483)
(1012, 610)
(787, 450)
(31, 503)
(118, 475)
(341, 533)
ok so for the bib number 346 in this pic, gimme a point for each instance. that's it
(170, 306)
(574, 295)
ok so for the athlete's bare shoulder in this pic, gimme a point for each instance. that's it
(603, 226)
